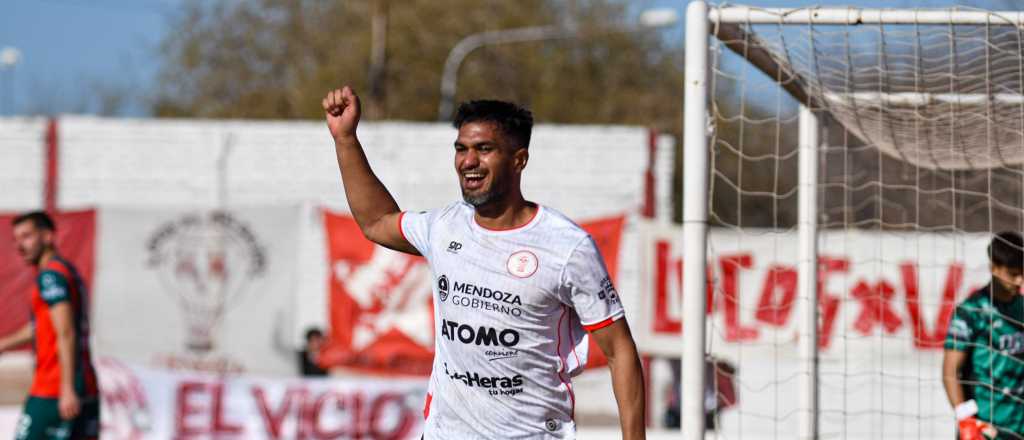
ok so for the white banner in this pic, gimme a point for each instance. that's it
(900, 286)
(885, 300)
(141, 403)
(198, 289)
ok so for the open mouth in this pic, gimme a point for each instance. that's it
(472, 180)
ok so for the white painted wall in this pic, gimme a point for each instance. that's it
(21, 163)
(585, 171)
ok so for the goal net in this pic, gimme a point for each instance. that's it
(857, 163)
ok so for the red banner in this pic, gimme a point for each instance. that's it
(607, 234)
(381, 313)
(75, 242)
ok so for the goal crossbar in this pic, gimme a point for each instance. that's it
(847, 16)
(921, 99)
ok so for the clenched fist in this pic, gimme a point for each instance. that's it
(342, 111)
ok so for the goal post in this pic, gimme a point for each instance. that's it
(899, 160)
(695, 215)
(807, 227)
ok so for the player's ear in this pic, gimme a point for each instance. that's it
(47, 236)
(520, 158)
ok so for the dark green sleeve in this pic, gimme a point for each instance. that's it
(53, 287)
(960, 335)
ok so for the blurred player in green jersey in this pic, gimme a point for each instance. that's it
(63, 402)
(983, 362)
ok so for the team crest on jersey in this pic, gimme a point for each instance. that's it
(522, 264)
(50, 291)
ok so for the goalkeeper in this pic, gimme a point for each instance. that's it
(983, 362)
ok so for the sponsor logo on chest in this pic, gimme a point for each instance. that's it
(488, 293)
(1012, 344)
(495, 385)
(478, 335)
(478, 297)
(442, 288)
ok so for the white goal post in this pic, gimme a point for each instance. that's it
(996, 144)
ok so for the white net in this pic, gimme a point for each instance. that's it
(922, 146)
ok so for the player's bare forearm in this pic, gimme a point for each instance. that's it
(372, 206)
(60, 315)
(20, 336)
(63, 325)
(627, 377)
(628, 384)
(952, 361)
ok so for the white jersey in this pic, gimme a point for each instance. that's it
(510, 312)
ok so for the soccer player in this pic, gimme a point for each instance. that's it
(63, 402)
(983, 362)
(515, 285)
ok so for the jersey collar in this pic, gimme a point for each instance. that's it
(526, 226)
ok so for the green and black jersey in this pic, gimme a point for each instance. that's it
(992, 334)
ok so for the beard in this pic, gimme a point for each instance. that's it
(32, 256)
(478, 200)
(482, 198)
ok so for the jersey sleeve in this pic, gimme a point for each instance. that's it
(587, 288)
(53, 287)
(415, 227)
(960, 334)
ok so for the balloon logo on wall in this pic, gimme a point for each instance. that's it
(207, 262)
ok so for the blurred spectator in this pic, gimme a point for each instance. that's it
(310, 355)
(719, 392)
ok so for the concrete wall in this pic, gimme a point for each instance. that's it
(584, 171)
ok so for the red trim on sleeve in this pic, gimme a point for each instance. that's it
(602, 324)
(400, 230)
(426, 406)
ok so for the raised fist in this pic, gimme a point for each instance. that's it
(341, 107)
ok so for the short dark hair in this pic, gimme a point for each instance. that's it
(514, 121)
(313, 331)
(39, 219)
(1007, 250)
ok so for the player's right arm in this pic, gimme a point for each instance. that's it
(959, 338)
(372, 206)
(63, 325)
(20, 336)
(957, 346)
(952, 361)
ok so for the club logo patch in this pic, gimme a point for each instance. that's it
(522, 264)
(50, 290)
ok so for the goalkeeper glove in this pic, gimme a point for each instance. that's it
(970, 427)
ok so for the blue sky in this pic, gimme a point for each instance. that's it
(72, 48)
